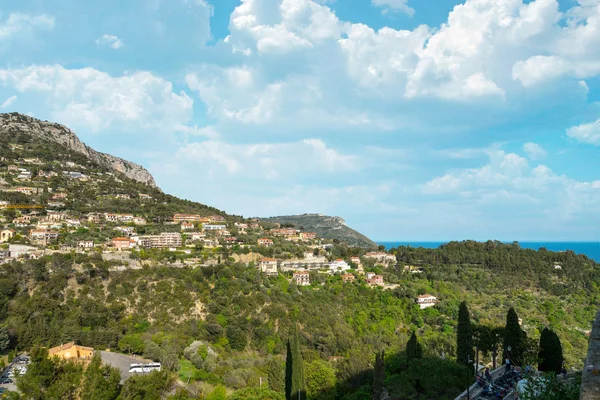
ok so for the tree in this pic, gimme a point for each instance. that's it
(4, 339)
(219, 393)
(464, 337)
(132, 344)
(295, 382)
(378, 376)
(550, 356)
(514, 338)
(320, 381)
(275, 374)
(148, 387)
(414, 350)
(100, 382)
(49, 378)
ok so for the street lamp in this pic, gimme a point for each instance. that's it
(508, 366)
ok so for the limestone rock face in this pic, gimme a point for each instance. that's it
(590, 384)
(14, 123)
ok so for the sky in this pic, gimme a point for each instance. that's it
(413, 120)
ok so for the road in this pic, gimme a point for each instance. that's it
(121, 362)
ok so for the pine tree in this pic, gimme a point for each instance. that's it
(413, 348)
(514, 337)
(378, 375)
(100, 382)
(464, 337)
(295, 382)
(550, 357)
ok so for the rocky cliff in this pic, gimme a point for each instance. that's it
(18, 123)
(325, 227)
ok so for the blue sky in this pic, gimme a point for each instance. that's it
(413, 120)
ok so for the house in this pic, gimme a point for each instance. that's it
(19, 250)
(71, 351)
(557, 266)
(6, 235)
(55, 216)
(426, 301)
(302, 278)
(23, 218)
(265, 242)
(13, 168)
(122, 243)
(111, 217)
(46, 174)
(348, 278)
(381, 257)
(122, 196)
(165, 239)
(211, 227)
(74, 223)
(85, 244)
(338, 265)
(186, 218)
(308, 235)
(196, 236)
(56, 204)
(125, 217)
(127, 230)
(286, 232)
(25, 176)
(145, 196)
(42, 236)
(216, 219)
(27, 190)
(355, 260)
(139, 221)
(375, 280)
(59, 196)
(93, 218)
(187, 226)
(268, 266)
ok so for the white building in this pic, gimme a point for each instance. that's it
(211, 227)
(426, 301)
(338, 265)
(268, 266)
(302, 278)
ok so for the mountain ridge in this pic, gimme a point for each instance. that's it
(328, 227)
(60, 134)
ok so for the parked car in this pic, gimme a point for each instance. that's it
(6, 381)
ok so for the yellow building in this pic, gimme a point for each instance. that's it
(71, 351)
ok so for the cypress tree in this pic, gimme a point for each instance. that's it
(378, 375)
(295, 382)
(513, 337)
(413, 348)
(550, 357)
(464, 337)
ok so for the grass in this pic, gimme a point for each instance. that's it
(187, 371)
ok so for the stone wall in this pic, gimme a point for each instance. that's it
(590, 385)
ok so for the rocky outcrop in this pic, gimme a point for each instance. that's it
(19, 123)
(590, 378)
(325, 227)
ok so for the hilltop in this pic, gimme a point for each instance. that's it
(18, 124)
(334, 228)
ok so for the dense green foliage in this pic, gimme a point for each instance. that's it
(378, 375)
(100, 382)
(551, 387)
(550, 356)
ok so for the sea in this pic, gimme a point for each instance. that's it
(590, 249)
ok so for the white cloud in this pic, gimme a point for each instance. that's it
(111, 41)
(8, 102)
(534, 151)
(18, 24)
(586, 133)
(93, 99)
(264, 161)
(394, 5)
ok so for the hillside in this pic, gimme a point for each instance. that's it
(334, 228)
(90, 254)
(19, 124)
